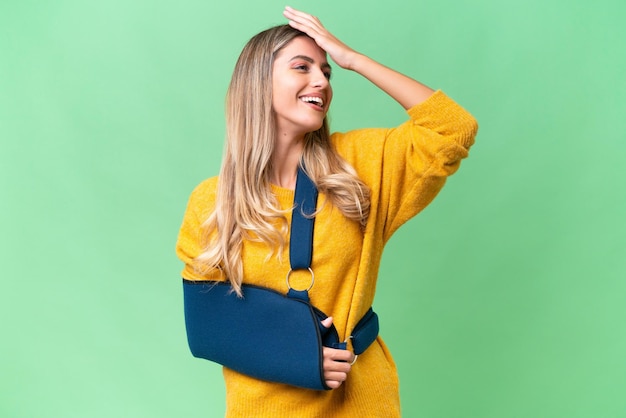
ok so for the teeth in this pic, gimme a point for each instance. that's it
(317, 100)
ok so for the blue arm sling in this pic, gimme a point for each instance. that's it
(266, 334)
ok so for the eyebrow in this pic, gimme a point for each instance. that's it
(325, 65)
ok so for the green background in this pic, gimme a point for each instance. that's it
(505, 298)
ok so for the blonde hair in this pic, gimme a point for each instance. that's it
(245, 207)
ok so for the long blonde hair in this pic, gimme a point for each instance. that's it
(245, 207)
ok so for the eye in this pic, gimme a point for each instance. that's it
(305, 68)
(302, 67)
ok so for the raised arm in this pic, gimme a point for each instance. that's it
(403, 89)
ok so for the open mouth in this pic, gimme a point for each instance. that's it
(314, 100)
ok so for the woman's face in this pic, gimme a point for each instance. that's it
(301, 91)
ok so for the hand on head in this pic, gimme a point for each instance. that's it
(338, 51)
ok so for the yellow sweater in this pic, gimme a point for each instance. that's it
(405, 167)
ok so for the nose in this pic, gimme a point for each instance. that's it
(319, 79)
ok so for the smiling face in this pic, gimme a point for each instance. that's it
(301, 91)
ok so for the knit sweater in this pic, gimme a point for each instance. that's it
(405, 167)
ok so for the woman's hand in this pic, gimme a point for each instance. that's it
(342, 54)
(403, 89)
(337, 363)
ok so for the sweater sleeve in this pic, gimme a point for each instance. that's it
(190, 236)
(406, 166)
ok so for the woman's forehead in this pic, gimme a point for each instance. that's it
(302, 46)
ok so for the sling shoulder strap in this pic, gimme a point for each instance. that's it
(301, 255)
(302, 222)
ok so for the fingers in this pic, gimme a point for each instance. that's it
(342, 54)
(333, 384)
(327, 322)
(301, 17)
(340, 356)
(304, 22)
(337, 365)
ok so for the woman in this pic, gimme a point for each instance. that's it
(370, 182)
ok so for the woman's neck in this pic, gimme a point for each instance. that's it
(285, 162)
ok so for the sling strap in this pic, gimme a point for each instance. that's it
(301, 255)
(302, 222)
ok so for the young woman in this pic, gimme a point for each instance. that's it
(370, 182)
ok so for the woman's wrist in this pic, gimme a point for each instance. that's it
(359, 62)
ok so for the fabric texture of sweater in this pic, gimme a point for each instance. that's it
(405, 167)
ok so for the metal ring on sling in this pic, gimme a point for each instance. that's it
(310, 286)
(356, 356)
